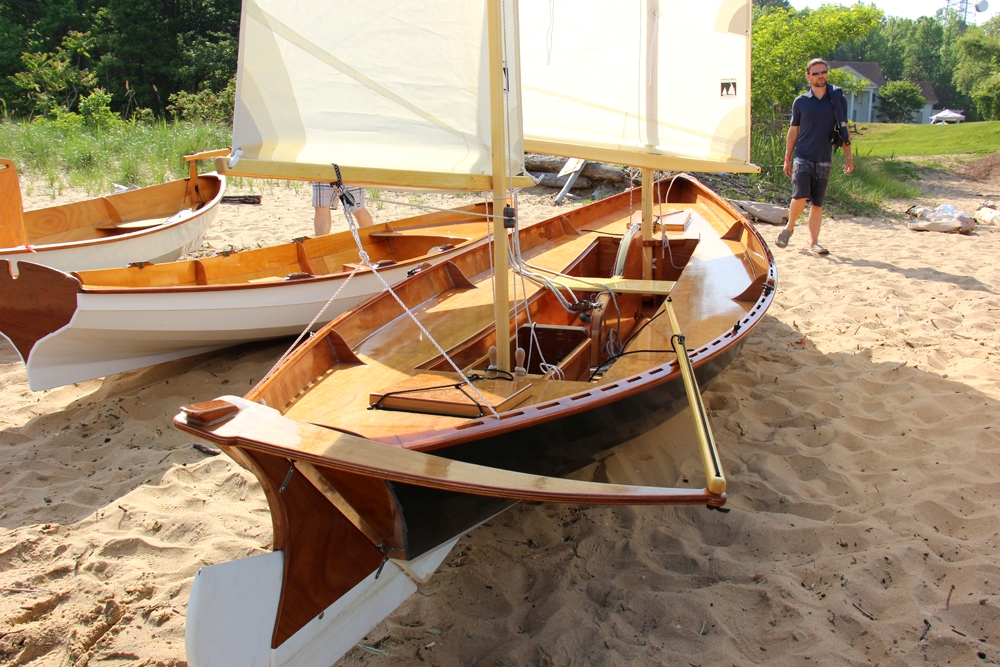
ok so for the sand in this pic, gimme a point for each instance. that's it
(859, 432)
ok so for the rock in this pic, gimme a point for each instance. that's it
(550, 180)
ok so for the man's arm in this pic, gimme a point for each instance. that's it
(848, 158)
(793, 136)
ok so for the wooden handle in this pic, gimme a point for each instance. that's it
(207, 155)
(263, 429)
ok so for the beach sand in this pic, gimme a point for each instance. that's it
(859, 432)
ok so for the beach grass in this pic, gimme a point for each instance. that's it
(52, 155)
(894, 140)
(876, 177)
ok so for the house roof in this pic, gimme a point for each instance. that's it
(870, 71)
(927, 91)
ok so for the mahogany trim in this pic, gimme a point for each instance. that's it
(39, 301)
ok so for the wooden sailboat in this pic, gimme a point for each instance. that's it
(420, 413)
(74, 326)
(153, 224)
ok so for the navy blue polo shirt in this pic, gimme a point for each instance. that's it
(815, 119)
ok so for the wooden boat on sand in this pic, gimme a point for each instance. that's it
(427, 409)
(74, 326)
(365, 438)
(153, 224)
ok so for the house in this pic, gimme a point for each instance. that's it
(931, 99)
(863, 107)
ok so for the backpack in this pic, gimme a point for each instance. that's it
(837, 138)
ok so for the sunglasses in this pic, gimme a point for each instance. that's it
(822, 71)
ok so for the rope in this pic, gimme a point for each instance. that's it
(425, 207)
(306, 330)
(366, 261)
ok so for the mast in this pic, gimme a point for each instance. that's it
(501, 302)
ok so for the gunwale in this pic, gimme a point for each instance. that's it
(598, 396)
(217, 187)
(91, 288)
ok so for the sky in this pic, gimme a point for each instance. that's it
(910, 9)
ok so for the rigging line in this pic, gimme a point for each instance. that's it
(425, 207)
(366, 261)
(306, 330)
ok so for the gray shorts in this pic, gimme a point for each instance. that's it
(809, 180)
(325, 195)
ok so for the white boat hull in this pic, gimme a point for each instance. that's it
(160, 244)
(233, 606)
(116, 332)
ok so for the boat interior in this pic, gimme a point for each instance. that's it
(387, 244)
(569, 343)
(101, 217)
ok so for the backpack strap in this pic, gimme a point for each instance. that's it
(837, 107)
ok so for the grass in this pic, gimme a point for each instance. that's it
(893, 140)
(875, 178)
(56, 154)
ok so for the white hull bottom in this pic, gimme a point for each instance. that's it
(233, 608)
(117, 332)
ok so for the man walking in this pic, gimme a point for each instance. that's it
(808, 150)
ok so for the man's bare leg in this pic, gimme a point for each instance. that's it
(815, 220)
(322, 220)
(795, 210)
(364, 218)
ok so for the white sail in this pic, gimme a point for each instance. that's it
(663, 84)
(393, 85)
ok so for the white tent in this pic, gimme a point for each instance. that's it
(947, 116)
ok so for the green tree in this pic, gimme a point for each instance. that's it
(53, 82)
(850, 83)
(922, 57)
(784, 41)
(978, 71)
(36, 27)
(154, 48)
(781, 4)
(898, 101)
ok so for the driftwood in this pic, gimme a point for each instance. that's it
(761, 212)
(595, 171)
(551, 180)
(241, 199)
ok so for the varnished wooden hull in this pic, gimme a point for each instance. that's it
(551, 448)
(74, 327)
(165, 223)
(346, 475)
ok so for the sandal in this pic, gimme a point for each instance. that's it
(817, 249)
(783, 237)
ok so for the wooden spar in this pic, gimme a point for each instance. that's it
(362, 176)
(716, 479)
(637, 157)
(647, 223)
(501, 304)
(234, 422)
